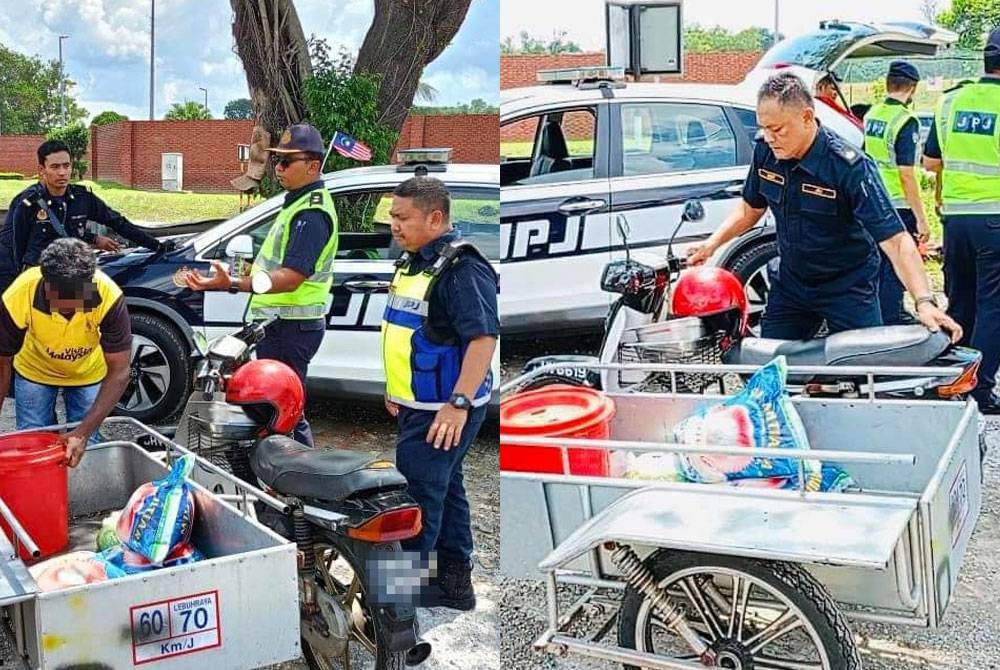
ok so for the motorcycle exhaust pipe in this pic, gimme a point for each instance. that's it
(418, 653)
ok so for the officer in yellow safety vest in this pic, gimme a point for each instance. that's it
(292, 274)
(963, 148)
(892, 133)
(64, 325)
(439, 333)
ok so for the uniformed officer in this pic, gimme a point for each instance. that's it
(892, 133)
(291, 277)
(54, 208)
(963, 148)
(832, 215)
(438, 336)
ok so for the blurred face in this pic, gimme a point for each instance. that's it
(788, 129)
(294, 171)
(69, 296)
(826, 90)
(55, 171)
(412, 228)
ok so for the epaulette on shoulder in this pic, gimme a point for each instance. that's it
(316, 198)
(847, 153)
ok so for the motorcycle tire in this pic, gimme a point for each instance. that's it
(384, 658)
(787, 580)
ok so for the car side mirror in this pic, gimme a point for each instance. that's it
(240, 246)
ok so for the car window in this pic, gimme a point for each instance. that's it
(476, 212)
(664, 137)
(551, 148)
(748, 120)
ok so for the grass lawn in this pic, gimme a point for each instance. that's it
(146, 206)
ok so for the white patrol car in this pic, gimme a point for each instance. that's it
(586, 147)
(349, 363)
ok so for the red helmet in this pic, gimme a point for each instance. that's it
(710, 291)
(269, 392)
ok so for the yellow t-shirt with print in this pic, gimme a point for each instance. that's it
(56, 350)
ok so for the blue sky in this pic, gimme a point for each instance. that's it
(107, 52)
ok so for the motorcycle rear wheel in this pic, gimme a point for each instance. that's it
(363, 657)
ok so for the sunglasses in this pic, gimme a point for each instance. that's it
(286, 161)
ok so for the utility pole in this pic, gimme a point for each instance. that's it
(62, 86)
(776, 38)
(152, 54)
(206, 96)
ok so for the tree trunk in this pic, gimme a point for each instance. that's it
(405, 36)
(275, 56)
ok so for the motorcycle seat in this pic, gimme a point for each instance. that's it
(899, 346)
(320, 474)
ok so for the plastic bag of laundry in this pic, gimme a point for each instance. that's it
(761, 415)
(160, 515)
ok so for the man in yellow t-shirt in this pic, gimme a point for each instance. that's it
(64, 325)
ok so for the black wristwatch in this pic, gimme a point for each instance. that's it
(234, 286)
(459, 401)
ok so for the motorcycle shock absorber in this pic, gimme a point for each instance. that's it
(641, 578)
(307, 558)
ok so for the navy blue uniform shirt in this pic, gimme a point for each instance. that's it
(932, 147)
(463, 303)
(28, 229)
(830, 207)
(310, 231)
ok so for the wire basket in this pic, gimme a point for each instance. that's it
(232, 455)
(704, 350)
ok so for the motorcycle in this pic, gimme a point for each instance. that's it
(347, 511)
(642, 326)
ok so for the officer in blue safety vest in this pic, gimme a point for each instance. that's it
(963, 148)
(892, 133)
(439, 333)
(832, 215)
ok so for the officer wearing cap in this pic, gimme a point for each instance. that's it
(292, 274)
(832, 216)
(963, 148)
(54, 208)
(892, 133)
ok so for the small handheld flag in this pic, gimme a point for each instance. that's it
(347, 146)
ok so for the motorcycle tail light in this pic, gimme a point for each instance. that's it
(391, 526)
(965, 382)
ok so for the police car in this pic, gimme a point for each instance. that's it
(165, 314)
(585, 147)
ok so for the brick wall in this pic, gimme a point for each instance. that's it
(18, 154)
(475, 138)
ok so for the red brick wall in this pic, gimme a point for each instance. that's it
(18, 154)
(111, 152)
(475, 138)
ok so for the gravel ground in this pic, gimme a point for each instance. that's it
(969, 637)
(460, 640)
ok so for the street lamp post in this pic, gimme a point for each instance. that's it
(152, 53)
(62, 86)
(206, 96)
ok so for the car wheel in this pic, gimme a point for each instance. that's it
(159, 376)
(750, 266)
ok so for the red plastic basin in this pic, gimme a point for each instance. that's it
(34, 483)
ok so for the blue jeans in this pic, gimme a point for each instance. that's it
(435, 481)
(35, 404)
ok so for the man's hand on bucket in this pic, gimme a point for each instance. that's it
(75, 445)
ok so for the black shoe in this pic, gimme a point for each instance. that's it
(990, 406)
(455, 585)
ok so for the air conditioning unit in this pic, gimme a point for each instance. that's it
(644, 36)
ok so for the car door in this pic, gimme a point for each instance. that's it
(554, 217)
(667, 152)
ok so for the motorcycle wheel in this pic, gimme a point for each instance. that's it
(751, 614)
(368, 648)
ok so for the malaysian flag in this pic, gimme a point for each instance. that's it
(347, 146)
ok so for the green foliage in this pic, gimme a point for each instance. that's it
(700, 39)
(972, 20)
(29, 95)
(76, 137)
(108, 117)
(338, 99)
(477, 106)
(188, 111)
(239, 109)
(528, 44)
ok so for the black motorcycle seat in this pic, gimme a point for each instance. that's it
(320, 474)
(899, 346)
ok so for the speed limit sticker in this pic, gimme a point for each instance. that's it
(175, 627)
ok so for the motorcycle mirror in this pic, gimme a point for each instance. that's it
(693, 210)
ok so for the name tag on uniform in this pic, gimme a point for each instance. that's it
(771, 176)
(821, 191)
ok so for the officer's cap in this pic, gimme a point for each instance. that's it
(900, 68)
(301, 137)
(993, 44)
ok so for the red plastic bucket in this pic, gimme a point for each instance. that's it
(556, 411)
(34, 484)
